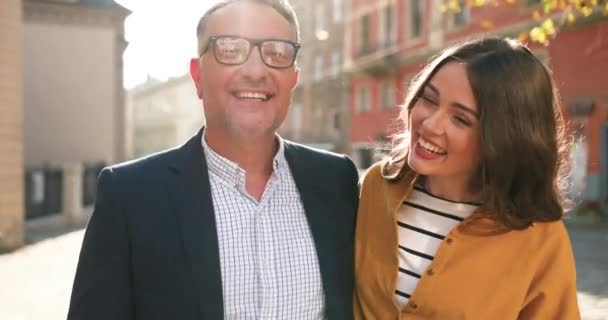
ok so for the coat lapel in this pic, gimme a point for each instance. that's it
(317, 205)
(190, 193)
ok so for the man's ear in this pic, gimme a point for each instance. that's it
(195, 74)
(296, 72)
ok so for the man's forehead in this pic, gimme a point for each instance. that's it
(249, 19)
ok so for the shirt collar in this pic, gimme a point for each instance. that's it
(230, 171)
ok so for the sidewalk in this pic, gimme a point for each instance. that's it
(590, 247)
(35, 282)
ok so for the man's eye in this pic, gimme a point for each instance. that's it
(230, 50)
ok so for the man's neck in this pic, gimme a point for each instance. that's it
(255, 156)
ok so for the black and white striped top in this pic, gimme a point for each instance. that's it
(268, 258)
(423, 222)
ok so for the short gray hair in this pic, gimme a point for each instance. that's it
(283, 7)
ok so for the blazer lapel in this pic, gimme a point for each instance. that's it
(190, 192)
(316, 205)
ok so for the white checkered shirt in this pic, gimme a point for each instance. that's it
(268, 259)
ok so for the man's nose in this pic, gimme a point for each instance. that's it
(254, 68)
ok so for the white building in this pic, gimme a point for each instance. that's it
(74, 104)
(164, 114)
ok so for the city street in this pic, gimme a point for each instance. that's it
(35, 282)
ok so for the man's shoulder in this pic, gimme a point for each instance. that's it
(147, 165)
(312, 153)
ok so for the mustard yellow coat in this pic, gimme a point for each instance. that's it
(481, 271)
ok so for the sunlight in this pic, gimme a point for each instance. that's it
(161, 36)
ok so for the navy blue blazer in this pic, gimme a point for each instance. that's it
(150, 250)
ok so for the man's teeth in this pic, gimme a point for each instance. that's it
(252, 95)
(430, 147)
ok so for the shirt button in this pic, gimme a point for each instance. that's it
(430, 272)
(413, 305)
(449, 240)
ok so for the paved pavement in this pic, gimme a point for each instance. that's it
(591, 254)
(35, 282)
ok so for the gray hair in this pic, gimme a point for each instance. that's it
(283, 7)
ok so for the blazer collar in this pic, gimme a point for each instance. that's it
(318, 204)
(190, 192)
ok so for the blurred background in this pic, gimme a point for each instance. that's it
(89, 83)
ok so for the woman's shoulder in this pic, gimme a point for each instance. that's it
(374, 184)
(540, 236)
(373, 173)
(551, 232)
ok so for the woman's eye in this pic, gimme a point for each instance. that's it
(462, 121)
(427, 100)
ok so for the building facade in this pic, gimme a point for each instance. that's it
(319, 112)
(391, 40)
(74, 115)
(11, 124)
(164, 114)
(74, 99)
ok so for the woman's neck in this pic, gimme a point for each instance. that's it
(451, 188)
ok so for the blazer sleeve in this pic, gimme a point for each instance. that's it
(102, 285)
(552, 293)
(353, 183)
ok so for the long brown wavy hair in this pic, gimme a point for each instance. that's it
(522, 140)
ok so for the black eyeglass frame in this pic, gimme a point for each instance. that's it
(252, 43)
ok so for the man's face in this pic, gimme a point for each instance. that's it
(249, 100)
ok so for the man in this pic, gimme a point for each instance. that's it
(236, 223)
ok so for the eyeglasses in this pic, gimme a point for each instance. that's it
(233, 50)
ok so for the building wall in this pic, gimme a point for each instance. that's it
(578, 57)
(164, 114)
(69, 77)
(579, 61)
(319, 113)
(11, 125)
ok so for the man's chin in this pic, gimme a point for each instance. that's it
(253, 132)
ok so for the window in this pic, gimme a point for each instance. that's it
(416, 17)
(364, 35)
(363, 103)
(335, 63)
(337, 10)
(532, 3)
(578, 168)
(388, 95)
(365, 156)
(319, 18)
(336, 120)
(387, 25)
(318, 117)
(318, 72)
(463, 17)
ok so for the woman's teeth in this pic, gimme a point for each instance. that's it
(430, 148)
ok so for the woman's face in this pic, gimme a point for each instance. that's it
(444, 124)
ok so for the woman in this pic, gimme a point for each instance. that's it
(463, 220)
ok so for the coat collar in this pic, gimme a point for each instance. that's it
(480, 223)
(318, 205)
(190, 192)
